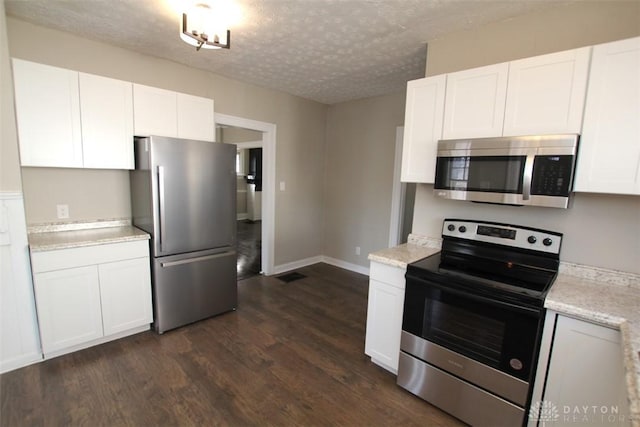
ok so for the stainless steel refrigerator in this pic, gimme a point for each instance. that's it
(183, 193)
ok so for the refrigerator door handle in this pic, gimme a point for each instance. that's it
(161, 203)
(197, 259)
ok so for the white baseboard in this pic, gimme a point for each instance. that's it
(20, 362)
(282, 268)
(242, 216)
(346, 265)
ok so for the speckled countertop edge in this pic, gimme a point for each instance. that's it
(578, 292)
(418, 247)
(52, 227)
(48, 237)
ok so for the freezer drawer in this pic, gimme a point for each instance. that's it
(192, 287)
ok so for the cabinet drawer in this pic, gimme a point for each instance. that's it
(88, 255)
(388, 274)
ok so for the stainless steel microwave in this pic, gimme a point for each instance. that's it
(519, 170)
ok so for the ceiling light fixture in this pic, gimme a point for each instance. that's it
(204, 30)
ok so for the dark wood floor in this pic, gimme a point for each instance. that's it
(292, 354)
(249, 236)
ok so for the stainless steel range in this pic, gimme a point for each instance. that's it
(473, 317)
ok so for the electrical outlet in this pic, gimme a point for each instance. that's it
(63, 211)
(357, 250)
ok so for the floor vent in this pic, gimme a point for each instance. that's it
(290, 277)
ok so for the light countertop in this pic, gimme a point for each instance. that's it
(52, 238)
(418, 247)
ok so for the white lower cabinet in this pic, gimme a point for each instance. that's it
(68, 304)
(585, 378)
(86, 296)
(125, 293)
(384, 315)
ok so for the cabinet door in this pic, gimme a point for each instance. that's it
(384, 324)
(586, 369)
(125, 292)
(609, 158)
(546, 94)
(48, 115)
(474, 102)
(424, 113)
(68, 303)
(154, 111)
(106, 109)
(195, 118)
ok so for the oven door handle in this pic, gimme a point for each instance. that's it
(479, 298)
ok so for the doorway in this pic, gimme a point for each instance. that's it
(256, 229)
(402, 199)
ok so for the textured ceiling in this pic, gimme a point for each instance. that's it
(325, 50)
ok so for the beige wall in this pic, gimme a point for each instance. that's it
(600, 230)
(359, 175)
(9, 160)
(230, 135)
(549, 30)
(300, 136)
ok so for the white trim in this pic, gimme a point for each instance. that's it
(398, 193)
(346, 265)
(20, 362)
(101, 340)
(242, 216)
(268, 182)
(283, 268)
(9, 195)
(247, 144)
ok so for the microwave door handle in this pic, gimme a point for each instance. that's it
(528, 176)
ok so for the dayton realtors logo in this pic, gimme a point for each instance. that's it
(547, 413)
(544, 412)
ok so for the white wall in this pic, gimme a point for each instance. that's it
(600, 230)
(9, 160)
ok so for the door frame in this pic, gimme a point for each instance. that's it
(268, 182)
(398, 193)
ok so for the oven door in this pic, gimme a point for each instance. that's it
(495, 333)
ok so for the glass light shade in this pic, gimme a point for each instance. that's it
(203, 26)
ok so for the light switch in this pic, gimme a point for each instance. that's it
(282, 186)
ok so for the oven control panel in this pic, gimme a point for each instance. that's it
(503, 234)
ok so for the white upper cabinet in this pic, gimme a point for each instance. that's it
(545, 94)
(155, 111)
(609, 156)
(422, 128)
(72, 120)
(533, 96)
(48, 115)
(475, 102)
(168, 113)
(195, 117)
(106, 109)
